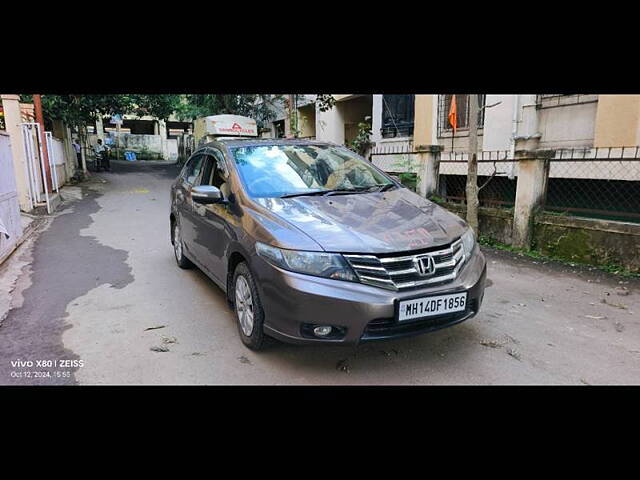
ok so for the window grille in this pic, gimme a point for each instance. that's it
(397, 115)
(462, 104)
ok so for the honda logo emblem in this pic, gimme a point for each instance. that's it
(424, 265)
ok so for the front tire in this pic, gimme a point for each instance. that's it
(178, 247)
(248, 308)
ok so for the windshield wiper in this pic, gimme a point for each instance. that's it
(333, 191)
(384, 187)
(373, 188)
(346, 191)
(341, 191)
(304, 194)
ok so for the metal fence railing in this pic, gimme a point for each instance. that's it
(393, 148)
(595, 188)
(601, 183)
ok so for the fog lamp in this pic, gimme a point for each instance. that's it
(322, 331)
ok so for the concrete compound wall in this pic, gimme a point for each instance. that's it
(9, 206)
(495, 223)
(580, 240)
(146, 147)
(597, 242)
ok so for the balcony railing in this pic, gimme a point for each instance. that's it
(402, 130)
(561, 100)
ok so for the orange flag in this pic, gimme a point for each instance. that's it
(453, 114)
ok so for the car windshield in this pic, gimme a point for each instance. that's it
(289, 170)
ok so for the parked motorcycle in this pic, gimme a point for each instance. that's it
(102, 159)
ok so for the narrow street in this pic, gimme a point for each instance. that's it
(100, 285)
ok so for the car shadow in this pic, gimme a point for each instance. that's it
(378, 356)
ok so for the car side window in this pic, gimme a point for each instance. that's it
(193, 169)
(185, 169)
(207, 170)
(219, 175)
(213, 172)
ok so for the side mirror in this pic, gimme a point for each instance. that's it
(206, 194)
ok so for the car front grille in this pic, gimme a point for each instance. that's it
(399, 272)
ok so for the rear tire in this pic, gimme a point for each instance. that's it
(248, 308)
(178, 247)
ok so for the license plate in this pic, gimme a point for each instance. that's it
(430, 306)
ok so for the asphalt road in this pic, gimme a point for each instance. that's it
(101, 275)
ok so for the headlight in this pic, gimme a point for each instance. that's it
(468, 242)
(320, 264)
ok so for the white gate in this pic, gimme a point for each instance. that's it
(34, 165)
(9, 208)
(52, 160)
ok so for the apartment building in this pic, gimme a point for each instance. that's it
(590, 145)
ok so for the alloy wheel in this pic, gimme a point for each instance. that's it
(244, 305)
(177, 242)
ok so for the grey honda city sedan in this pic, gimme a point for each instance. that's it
(313, 244)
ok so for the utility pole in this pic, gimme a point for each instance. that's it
(37, 103)
(472, 173)
(118, 120)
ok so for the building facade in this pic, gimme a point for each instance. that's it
(403, 124)
(557, 121)
(148, 137)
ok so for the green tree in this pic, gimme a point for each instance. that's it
(159, 106)
(79, 111)
(83, 110)
(260, 107)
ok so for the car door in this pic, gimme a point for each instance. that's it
(185, 205)
(214, 222)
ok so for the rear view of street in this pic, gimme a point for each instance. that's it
(99, 286)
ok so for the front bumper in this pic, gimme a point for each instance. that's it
(367, 313)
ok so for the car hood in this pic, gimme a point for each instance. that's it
(393, 221)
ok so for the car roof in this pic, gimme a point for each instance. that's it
(250, 142)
